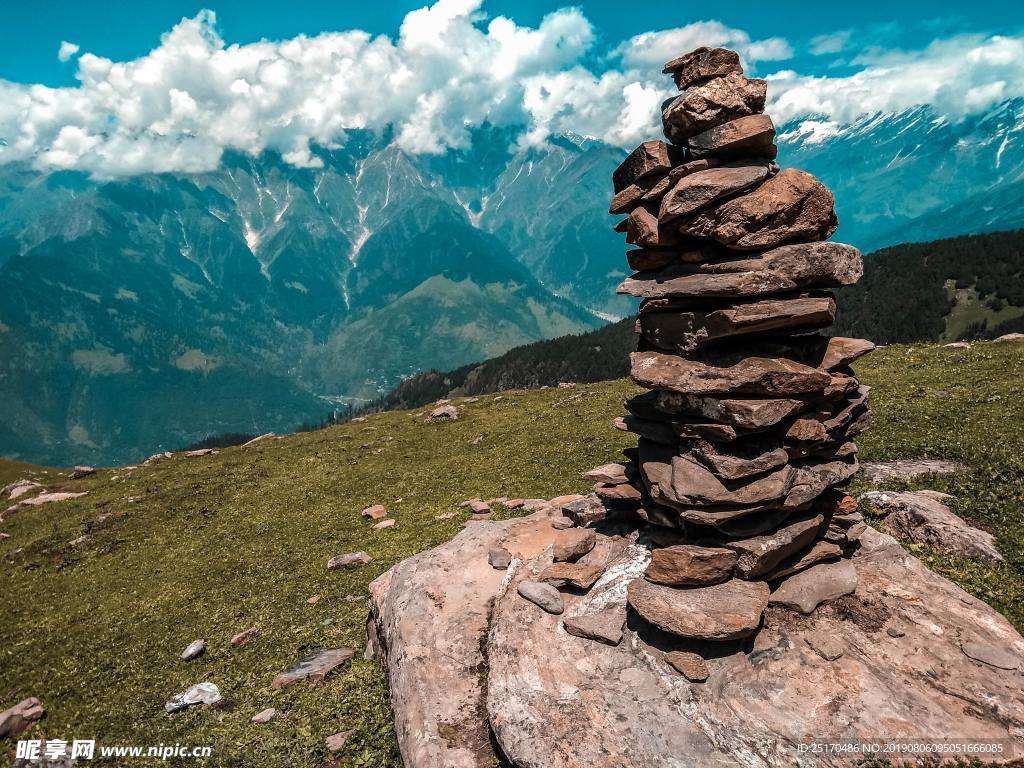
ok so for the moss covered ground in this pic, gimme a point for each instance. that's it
(188, 548)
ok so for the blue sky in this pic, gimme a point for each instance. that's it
(127, 29)
(116, 88)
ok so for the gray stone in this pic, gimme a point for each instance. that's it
(264, 716)
(314, 668)
(499, 558)
(808, 589)
(543, 595)
(993, 655)
(200, 693)
(347, 561)
(880, 471)
(194, 650)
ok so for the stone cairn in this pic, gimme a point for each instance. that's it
(749, 422)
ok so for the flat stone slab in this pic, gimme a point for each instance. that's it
(314, 668)
(726, 611)
(880, 471)
(808, 589)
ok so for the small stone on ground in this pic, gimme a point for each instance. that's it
(543, 595)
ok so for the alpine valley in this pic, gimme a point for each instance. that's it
(144, 313)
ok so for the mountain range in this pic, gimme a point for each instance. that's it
(144, 313)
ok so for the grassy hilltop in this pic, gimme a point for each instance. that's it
(207, 547)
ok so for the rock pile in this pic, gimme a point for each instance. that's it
(749, 421)
(716, 600)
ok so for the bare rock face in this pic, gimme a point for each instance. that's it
(641, 713)
(724, 611)
(782, 269)
(925, 519)
(702, 64)
(792, 207)
(428, 616)
(712, 103)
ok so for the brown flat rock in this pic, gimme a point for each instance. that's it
(782, 269)
(603, 626)
(689, 665)
(685, 331)
(758, 555)
(791, 207)
(651, 157)
(724, 611)
(607, 473)
(753, 375)
(572, 544)
(751, 136)
(699, 190)
(690, 565)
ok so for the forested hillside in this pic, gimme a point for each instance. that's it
(963, 287)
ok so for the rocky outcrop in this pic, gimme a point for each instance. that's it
(924, 518)
(477, 671)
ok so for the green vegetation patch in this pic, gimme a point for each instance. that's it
(189, 548)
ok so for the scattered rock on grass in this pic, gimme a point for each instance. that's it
(347, 560)
(443, 412)
(543, 595)
(78, 472)
(314, 668)
(1007, 337)
(265, 716)
(20, 717)
(879, 471)
(259, 439)
(244, 637)
(388, 523)
(201, 693)
(200, 452)
(18, 488)
(336, 742)
(194, 650)
(376, 512)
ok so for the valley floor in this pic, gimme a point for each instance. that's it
(206, 547)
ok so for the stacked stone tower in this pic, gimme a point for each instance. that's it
(747, 428)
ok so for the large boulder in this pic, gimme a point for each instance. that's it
(428, 616)
(922, 681)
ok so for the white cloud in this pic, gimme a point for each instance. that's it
(833, 42)
(960, 75)
(67, 50)
(450, 68)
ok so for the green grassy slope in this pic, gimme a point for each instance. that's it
(215, 545)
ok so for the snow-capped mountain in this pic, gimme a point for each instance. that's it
(151, 311)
